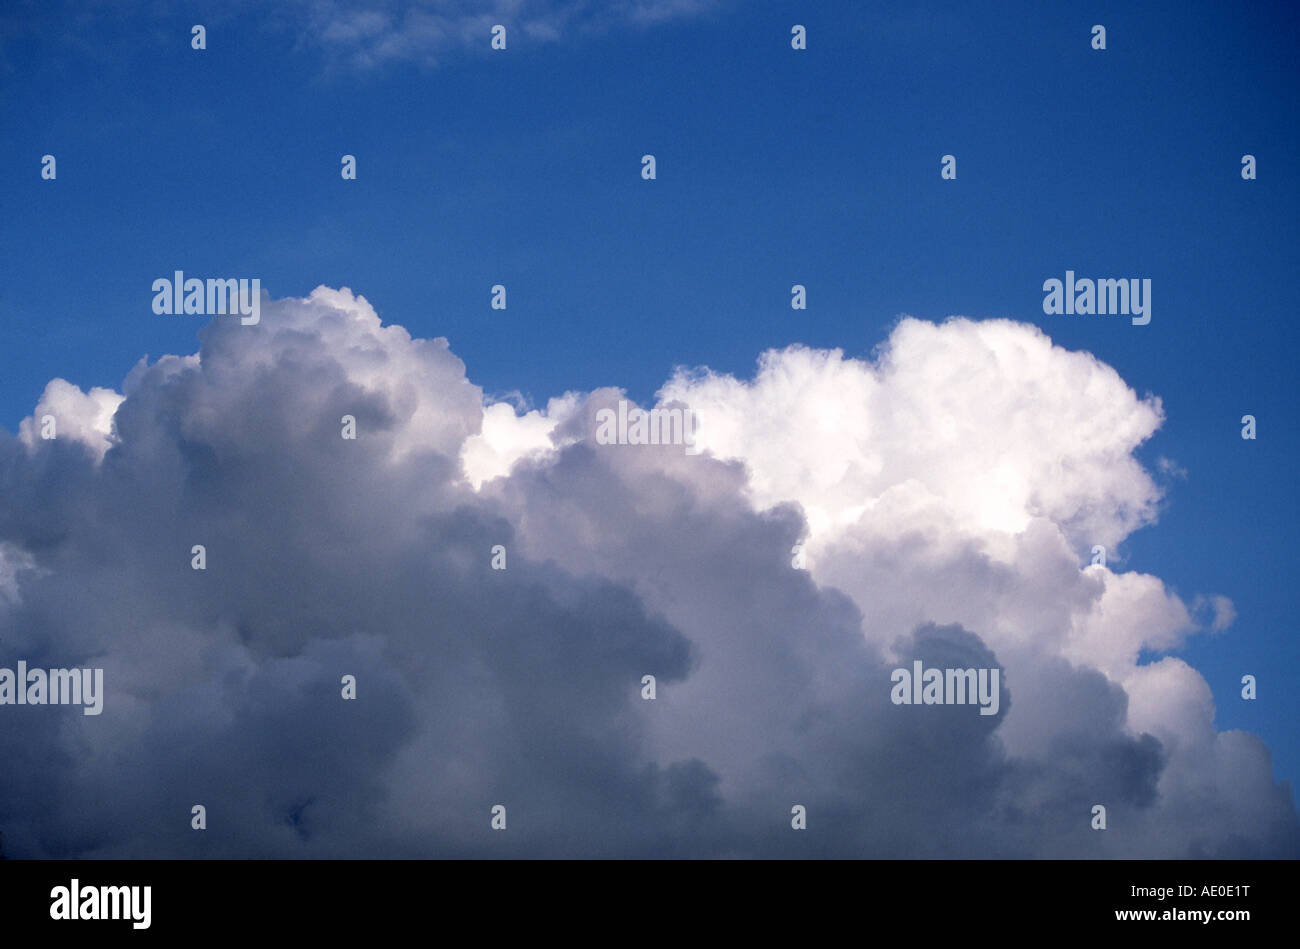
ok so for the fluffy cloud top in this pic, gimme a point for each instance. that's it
(86, 417)
(987, 421)
(946, 494)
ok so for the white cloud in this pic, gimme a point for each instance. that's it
(508, 437)
(1218, 611)
(85, 417)
(989, 420)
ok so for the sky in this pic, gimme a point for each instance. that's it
(774, 167)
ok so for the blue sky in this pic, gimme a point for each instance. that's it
(774, 168)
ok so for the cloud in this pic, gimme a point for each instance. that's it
(387, 31)
(354, 36)
(1024, 429)
(1219, 611)
(946, 494)
(83, 417)
(506, 437)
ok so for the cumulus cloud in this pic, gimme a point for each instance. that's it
(944, 495)
(507, 436)
(84, 417)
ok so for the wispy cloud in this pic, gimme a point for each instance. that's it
(379, 32)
